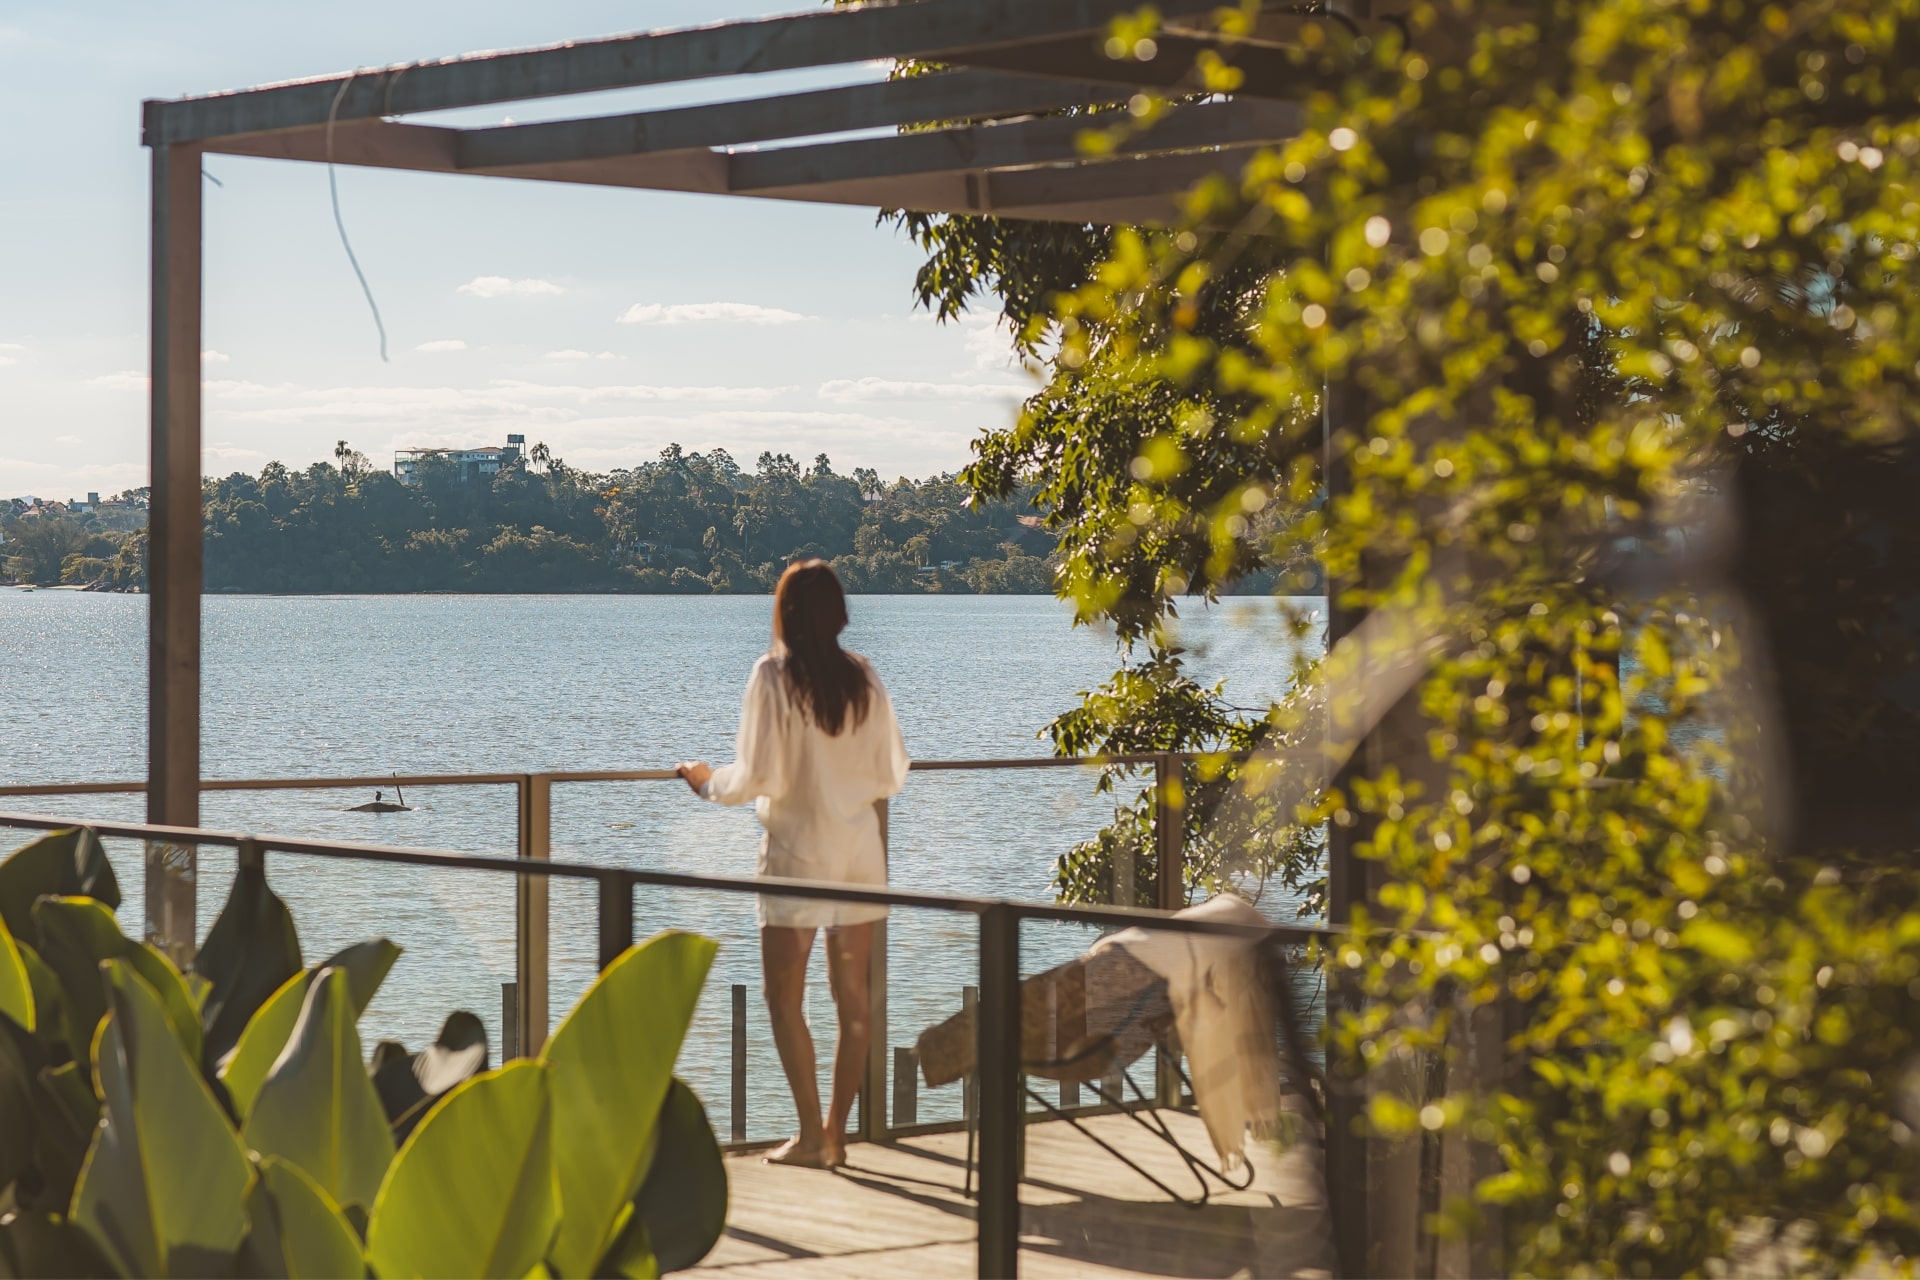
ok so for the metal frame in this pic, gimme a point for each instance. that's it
(975, 147)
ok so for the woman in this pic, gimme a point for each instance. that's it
(818, 749)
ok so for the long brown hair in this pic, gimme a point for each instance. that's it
(809, 613)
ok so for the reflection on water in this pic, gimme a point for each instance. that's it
(423, 684)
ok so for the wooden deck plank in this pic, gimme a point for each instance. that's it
(897, 1209)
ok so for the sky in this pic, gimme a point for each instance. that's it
(606, 323)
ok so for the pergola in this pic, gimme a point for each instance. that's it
(985, 133)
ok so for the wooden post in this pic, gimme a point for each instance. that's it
(738, 1120)
(997, 1065)
(906, 1087)
(616, 917)
(970, 1083)
(510, 1022)
(174, 568)
(535, 805)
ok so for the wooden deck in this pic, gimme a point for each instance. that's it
(896, 1209)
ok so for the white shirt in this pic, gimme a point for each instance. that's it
(814, 793)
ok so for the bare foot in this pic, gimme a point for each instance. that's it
(804, 1155)
(833, 1154)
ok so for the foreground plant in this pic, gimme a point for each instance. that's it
(224, 1121)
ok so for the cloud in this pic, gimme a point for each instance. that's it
(856, 390)
(573, 353)
(707, 313)
(7, 360)
(501, 287)
(5, 357)
(125, 380)
(443, 344)
(214, 357)
(68, 440)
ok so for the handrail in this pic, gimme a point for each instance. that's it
(819, 889)
(557, 775)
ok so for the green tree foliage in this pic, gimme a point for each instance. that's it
(687, 522)
(157, 1146)
(1614, 299)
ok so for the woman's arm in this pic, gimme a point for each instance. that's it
(759, 751)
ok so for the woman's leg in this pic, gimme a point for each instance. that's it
(848, 950)
(783, 968)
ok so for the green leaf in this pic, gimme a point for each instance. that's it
(251, 950)
(244, 1069)
(76, 935)
(410, 1085)
(49, 1002)
(16, 987)
(473, 1192)
(298, 1231)
(317, 1107)
(70, 863)
(1722, 942)
(681, 1210)
(612, 1061)
(164, 1187)
(48, 1247)
(66, 1116)
(17, 1119)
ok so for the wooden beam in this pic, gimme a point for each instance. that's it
(929, 30)
(1021, 144)
(174, 546)
(961, 95)
(1270, 72)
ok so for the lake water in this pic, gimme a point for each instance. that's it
(451, 684)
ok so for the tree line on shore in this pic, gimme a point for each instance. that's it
(684, 522)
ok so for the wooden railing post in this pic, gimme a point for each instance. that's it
(174, 551)
(997, 1065)
(616, 917)
(535, 806)
(738, 1046)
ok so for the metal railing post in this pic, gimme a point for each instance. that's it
(738, 1119)
(970, 1083)
(997, 1063)
(534, 793)
(906, 1086)
(510, 1021)
(873, 1093)
(1169, 829)
(616, 916)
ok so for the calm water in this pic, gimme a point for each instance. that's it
(426, 684)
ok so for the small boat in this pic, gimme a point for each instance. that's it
(380, 804)
(26, 586)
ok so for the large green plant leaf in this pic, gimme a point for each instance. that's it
(164, 1188)
(317, 1107)
(298, 1232)
(681, 1210)
(68, 863)
(65, 1117)
(76, 935)
(16, 985)
(473, 1192)
(251, 950)
(37, 1245)
(612, 1062)
(245, 1068)
(49, 1002)
(17, 1122)
(410, 1083)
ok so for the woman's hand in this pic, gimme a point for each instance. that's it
(696, 773)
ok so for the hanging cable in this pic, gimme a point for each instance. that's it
(333, 189)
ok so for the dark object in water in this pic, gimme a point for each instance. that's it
(379, 803)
